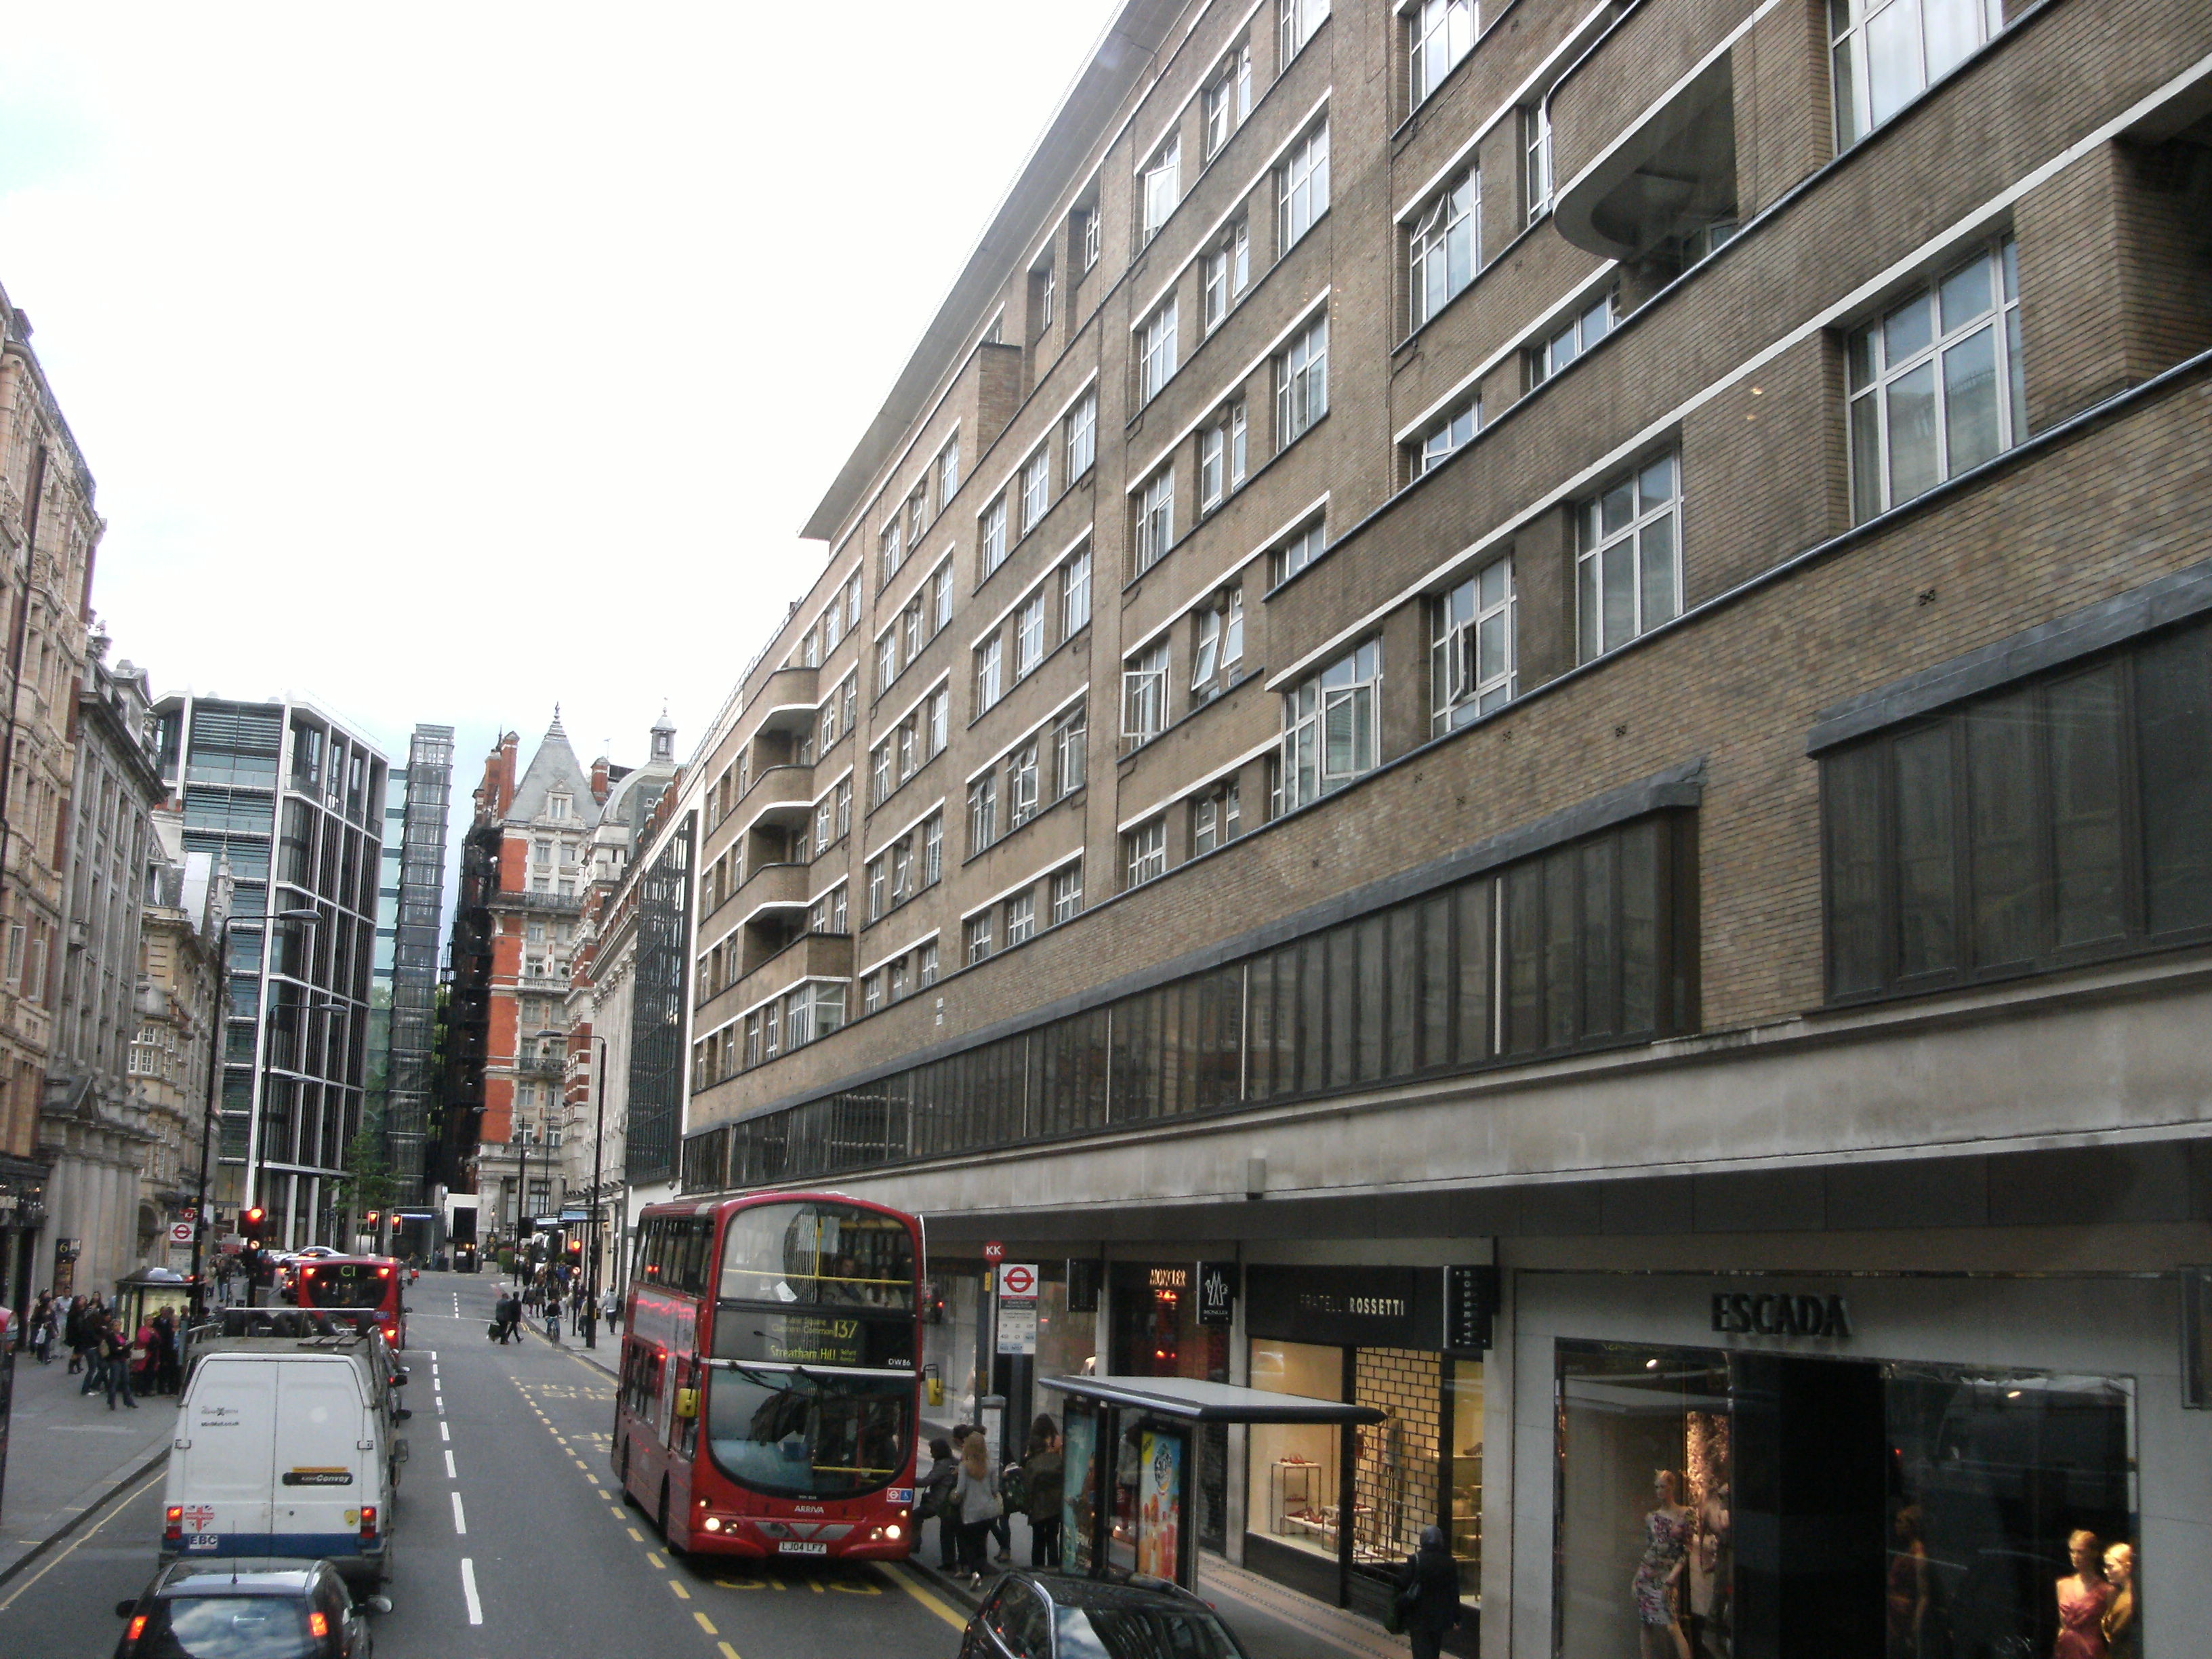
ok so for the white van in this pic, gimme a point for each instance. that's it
(285, 1447)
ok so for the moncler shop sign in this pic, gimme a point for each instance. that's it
(1742, 1313)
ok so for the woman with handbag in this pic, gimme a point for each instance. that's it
(1427, 1602)
(975, 1501)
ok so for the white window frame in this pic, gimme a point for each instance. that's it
(1331, 726)
(1067, 893)
(990, 677)
(1145, 694)
(1438, 34)
(940, 592)
(1302, 188)
(1537, 158)
(1156, 351)
(1447, 436)
(1302, 383)
(1226, 273)
(1036, 486)
(1295, 22)
(1474, 652)
(1227, 100)
(1070, 745)
(1451, 227)
(1075, 593)
(1572, 333)
(1029, 635)
(1299, 549)
(933, 849)
(991, 536)
(1082, 436)
(1905, 26)
(1021, 918)
(948, 472)
(1160, 187)
(1155, 526)
(1647, 521)
(982, 812)
(1145, 852)
(1022, 792)
(1873, 379)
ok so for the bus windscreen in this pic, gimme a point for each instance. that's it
(803, 1434)
(344, 1285)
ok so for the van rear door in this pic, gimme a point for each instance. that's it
(326, 1459)
(221, 1474)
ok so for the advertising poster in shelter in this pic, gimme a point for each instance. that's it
(1078, 1502)
(1159, 1505)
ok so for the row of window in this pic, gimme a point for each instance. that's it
(918, 738)
(923, 619)
(1013, 920)
(1032, 493)
(1052, 612)
(1586, 946)
(913, 860)
(1043, 768)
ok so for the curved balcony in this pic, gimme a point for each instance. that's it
(780, 796)
(1659, 181)
(787, 702)
(811, 955)
(769, 887)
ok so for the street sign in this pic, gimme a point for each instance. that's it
(1017, 1281)
(1017, 1307)
(190, 1212)
(994, 1252)
(181, 1232)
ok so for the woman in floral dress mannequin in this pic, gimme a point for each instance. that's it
(1667, 1546)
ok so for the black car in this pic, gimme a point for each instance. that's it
(253, 1607)
(1057, 1615)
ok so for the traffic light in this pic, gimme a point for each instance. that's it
(250, 1223)
(576, 1248)
(372, 1217)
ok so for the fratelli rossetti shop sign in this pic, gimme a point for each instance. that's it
(1760, 1313)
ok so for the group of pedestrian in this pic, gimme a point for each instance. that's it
(550, 1294)
(113, 1358)
(971, 1500)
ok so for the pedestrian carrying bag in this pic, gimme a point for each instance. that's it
(492, 1330)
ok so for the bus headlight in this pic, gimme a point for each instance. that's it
(892, 1532)
(714, 1524)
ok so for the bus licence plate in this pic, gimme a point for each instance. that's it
(795, 1547)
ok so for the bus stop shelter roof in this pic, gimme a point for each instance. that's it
(1199, 1402)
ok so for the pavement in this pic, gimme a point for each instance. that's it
(69, 1453)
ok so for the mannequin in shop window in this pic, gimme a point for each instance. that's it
(2123, 1635)
(1908, 1586)
(1657, 1584)
(2084, 1596)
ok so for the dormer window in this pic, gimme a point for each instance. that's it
(557, 807)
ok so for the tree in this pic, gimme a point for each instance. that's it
(371, 1184)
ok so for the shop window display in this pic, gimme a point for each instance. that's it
(1292, 1476)
(1713, 1504)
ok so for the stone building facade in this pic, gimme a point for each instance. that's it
(1556, 654)
(49, 535)
(178, 1002)
(97, 1128)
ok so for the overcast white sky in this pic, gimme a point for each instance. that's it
(439, 362)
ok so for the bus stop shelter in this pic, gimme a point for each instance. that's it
(1152, 1528)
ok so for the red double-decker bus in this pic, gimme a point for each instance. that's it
(769, 1400)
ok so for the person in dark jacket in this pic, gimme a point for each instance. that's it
(73, 1336)
(1044, 1478)
(935, 1494)
(1428, 1594)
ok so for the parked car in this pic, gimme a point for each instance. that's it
(270, 1607)
(1057, 1615)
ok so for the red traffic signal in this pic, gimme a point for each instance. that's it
(250, 1223)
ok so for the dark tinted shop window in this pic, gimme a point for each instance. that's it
(2066, 820)
(1772, 1507)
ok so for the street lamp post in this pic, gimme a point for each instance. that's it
(220, 1025)
(598, 1154)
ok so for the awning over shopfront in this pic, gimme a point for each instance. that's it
(1196, 1400)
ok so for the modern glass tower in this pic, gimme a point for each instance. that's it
(293, 802)
(419, 905)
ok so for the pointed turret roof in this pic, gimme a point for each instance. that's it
(554, 769)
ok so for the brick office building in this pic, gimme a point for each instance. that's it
(1562, 638)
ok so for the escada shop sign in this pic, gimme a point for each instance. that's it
(1739, 1313)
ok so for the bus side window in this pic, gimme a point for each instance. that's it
(698, 1259)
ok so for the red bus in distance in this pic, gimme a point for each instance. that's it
(769, 1400)
(356, 1285)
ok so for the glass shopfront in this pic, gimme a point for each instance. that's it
(1780, 1492)
(1365, 1335)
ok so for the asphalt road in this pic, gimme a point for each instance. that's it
(511, 1538)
